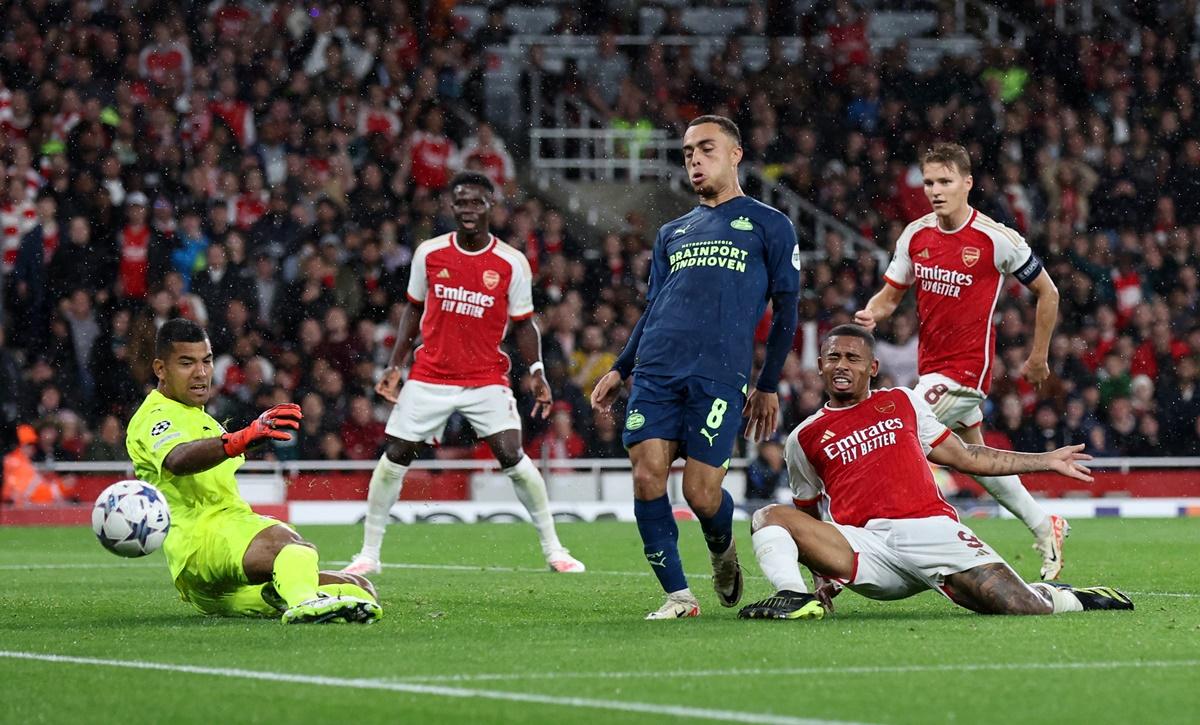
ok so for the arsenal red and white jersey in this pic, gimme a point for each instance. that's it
(469, 297)
(958, 276)
(869, 459)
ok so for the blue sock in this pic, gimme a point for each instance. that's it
(718, 531)
(660, 536)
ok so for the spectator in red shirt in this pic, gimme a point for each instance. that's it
(362, 434)
(430, 153)
(560, 440)
(133, 244)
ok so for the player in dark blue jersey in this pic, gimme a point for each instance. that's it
(690, 355)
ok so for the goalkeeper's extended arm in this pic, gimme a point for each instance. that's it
(186, 459)
(779, 341)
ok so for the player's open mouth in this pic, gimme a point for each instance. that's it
(842, 382)
(199, 388)
(697, 179)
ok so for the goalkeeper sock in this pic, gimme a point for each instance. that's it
(1008, 491)
(530, 488)
(778, 557)
(660, 539)
(294, 574)
(386, 482)
(718, 530)
(1063, 600)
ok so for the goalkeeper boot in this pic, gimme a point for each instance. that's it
(1050, 547)
(784, 604)
(727, 576)
(325, 608)
(677, 606)
(561, 561)
(362, 565)
(1097, 598)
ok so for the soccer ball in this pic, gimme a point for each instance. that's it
(131, 518)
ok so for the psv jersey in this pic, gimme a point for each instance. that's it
(958, 277)
(868, 460)
(469, 297)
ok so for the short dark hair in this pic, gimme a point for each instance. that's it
(851, 330)
(949, 154)
(176, 330)
(473, 178)
(727, 125)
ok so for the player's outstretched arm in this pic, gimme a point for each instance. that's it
(529, 345)
(880, 307)
(388, 386)
(1037, 368)
(985, 461)
(192, 457)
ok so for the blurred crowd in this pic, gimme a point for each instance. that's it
(1088, 145)
(267, 168)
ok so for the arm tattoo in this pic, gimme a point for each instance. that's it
(981, 459)
(994, 589)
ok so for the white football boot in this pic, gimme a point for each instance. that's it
(1050, 547)
(677, 606)
(362, 565)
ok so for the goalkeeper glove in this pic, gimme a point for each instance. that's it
(268, 425)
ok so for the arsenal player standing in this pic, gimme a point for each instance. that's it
(957, 258)
(463, 290)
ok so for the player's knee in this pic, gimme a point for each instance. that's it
(764, 517)
(703, 501)
(401, 452)
(649, 482)
(508, 457)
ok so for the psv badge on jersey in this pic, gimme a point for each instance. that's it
(970, 256)
(491, 278)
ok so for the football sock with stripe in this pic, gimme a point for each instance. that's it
(294, 573)
(778, 557)
(1063, 600)
(530, 488)
(660, 539)
(1012, 495)
(718, 530)
(386, 482)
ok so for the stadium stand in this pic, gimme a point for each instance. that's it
(266, 169)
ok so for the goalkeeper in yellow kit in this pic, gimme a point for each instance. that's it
(226, 559)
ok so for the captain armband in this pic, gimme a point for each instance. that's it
(1029, 271)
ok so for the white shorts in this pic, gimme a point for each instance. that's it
(421, 411)
(897, 558)
(954, 404)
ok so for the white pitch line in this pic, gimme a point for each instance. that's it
(1184, 595)
(791, 671)
(435, 690)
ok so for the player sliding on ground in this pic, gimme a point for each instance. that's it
(463, 289)
(892, 534)
(226, 559)
(957, 259)
(712, 274)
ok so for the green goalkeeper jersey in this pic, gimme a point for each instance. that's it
(197, 500)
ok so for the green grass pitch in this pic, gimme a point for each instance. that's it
(475, 631)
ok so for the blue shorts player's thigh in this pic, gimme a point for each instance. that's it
(657, 409)
(714, 416)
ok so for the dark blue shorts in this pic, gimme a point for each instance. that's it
(703, 415)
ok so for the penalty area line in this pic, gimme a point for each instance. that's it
(413, 688)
